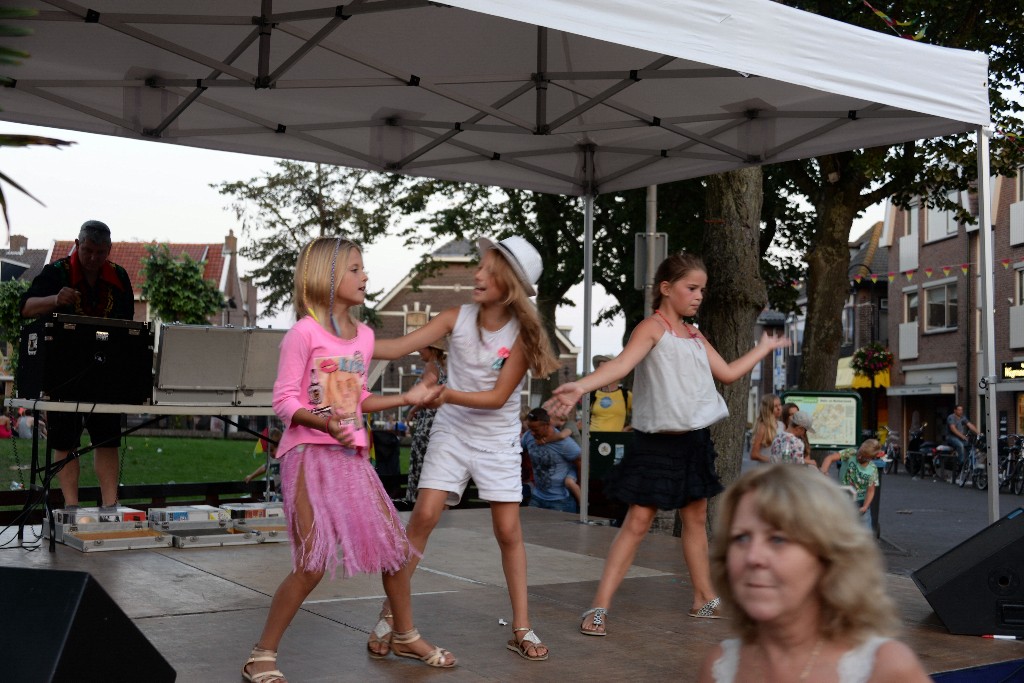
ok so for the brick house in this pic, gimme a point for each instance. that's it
(405, 308)
(936, 320)
(221, 269)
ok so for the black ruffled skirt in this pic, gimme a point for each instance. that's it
(666, 471)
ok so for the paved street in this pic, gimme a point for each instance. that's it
(921, 519)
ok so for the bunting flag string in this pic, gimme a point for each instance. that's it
(929, 272)
(896, 25)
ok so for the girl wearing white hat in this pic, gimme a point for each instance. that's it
(493, 342)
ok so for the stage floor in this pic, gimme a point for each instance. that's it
(203, 608)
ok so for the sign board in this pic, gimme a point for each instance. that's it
(640, 256)
(1013, 370)
(836, 417)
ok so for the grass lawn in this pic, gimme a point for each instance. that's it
(157, 460)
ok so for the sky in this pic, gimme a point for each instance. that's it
(149, 191)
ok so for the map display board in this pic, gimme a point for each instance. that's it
(836, 416)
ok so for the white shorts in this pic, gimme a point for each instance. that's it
(450, 463)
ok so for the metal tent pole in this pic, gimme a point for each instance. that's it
(988, 348)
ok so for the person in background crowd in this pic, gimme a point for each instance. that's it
(553, 458)
(611, 406)
(766, 427)
(434, 358)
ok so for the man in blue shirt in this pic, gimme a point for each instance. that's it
(553, 459)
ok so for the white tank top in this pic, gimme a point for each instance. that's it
(673, 390)
(473, 365)
(855, 666)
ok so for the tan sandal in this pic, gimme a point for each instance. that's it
(381, 637)
(258, 654)
(439, 658)
(521, 646)
(710, 610)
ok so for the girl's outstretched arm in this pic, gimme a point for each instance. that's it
(438, 327)
(418, 394)
(641, 341)
(727, 373)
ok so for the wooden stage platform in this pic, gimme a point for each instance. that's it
(203, 609)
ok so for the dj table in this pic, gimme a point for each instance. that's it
(42, 474)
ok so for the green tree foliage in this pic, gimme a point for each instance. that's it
(282, 211)
(176, 288)
(10, 318)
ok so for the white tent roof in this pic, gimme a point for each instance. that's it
(503, 92)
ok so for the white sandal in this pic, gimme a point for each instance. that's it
(258, 654)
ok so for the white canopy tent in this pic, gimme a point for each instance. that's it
(563, 96)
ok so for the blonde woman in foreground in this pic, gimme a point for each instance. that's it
(804, 584)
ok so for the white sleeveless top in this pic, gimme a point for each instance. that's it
(854, 667)
(473, 354)
(673, 390)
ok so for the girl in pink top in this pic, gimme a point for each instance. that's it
(334, 500)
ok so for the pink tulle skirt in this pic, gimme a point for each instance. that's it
(353, 516)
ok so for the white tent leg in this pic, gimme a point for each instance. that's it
(588, 300)
(988, 348)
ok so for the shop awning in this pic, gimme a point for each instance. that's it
(923, 390)
(846, 378)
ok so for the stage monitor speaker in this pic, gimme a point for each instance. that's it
(977, 588)
(92, 360)
(62, 626)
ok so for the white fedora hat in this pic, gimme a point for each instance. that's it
(521, 255)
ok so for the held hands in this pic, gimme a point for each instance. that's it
(426, 393)
(564, 399)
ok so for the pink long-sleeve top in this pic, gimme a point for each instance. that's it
(324, 374)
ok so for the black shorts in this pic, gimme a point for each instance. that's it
(64, 430)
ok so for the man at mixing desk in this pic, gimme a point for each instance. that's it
(84, 283)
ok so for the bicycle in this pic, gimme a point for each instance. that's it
(891, 453)
(1011, 464)
(971, 469)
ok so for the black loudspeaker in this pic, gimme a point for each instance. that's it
(62, 626)
(93, 360)
(977, 588)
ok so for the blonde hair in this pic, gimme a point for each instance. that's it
(814, 512)
(540, 359)
(766, 418)
(673, 268)
(320, 266)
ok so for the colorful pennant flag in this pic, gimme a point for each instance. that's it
(910, 275)
(892, 276)
(928, 272)
(1006, 263)
(946, 270)
(874, 278)
(964, 267)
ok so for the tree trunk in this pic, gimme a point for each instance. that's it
(735, 296)
(828, 267)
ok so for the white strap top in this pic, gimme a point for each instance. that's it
(854, 666)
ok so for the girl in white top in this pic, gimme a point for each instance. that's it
(475, 434)
(671, 463)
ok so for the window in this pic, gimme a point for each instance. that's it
(941, 223)
(414, 320)
(848, 320)
(911, 305)
(1018, 277)
(796, 334)
(913, 218)
(940, 308)
(1020, 184)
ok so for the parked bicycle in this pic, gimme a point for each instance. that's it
(891, 453)
(1011, 463)
(972, 469)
